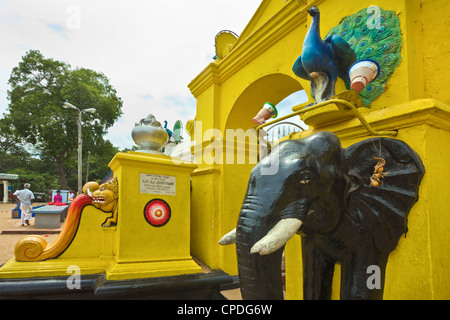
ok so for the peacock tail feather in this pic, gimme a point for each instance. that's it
(373, 33)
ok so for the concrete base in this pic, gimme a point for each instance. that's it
(136, 270)
(49, 216)
(47, 220)
(200, 286)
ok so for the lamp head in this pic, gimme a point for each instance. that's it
(268, 111)
(362, 72)
(68, 105)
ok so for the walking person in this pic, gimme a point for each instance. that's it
(25, 197)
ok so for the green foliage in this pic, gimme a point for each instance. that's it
(40, 182)
(39, 88)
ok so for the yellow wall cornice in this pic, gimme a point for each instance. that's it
(411, 114)
(145, 160)
(251, 44)
(205, 79)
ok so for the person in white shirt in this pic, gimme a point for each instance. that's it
(25, 197)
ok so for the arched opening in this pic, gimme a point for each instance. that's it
(294, 124)
(272, 88)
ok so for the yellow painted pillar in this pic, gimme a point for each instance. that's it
(153, 229)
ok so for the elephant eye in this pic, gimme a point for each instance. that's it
(303, 177)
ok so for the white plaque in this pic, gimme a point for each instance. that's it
(157, 184)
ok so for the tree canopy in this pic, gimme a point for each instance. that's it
(39, 87)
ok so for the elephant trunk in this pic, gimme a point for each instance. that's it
(260, 240)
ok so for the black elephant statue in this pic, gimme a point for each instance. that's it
(323, 192)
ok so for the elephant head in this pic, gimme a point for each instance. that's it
(323, 192)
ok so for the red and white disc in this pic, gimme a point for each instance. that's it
(157, 212)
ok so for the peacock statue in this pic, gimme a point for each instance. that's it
(175, 134)
(370, 34)
(169, 132)
(322, 61)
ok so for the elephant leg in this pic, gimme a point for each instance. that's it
(363, 275)
(317, 272)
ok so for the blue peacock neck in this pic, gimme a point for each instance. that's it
(314, 30)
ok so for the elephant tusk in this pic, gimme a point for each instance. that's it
(229, 238)
(277, 236)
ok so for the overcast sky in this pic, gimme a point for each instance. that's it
(150, 50)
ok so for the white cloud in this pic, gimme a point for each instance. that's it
(150, 50)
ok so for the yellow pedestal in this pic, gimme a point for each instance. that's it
(134, 248)
(142, 249)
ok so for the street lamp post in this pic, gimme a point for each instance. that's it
(68, 105)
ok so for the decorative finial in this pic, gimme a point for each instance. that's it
(149, 135)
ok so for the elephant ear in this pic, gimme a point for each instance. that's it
(382, 211)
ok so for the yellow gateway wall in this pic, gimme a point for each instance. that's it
(232, 89)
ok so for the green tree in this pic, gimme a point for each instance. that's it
(16, 158)
(39, 87)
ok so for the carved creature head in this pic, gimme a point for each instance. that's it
(105, 196)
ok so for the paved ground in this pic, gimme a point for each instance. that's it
(11, 232)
